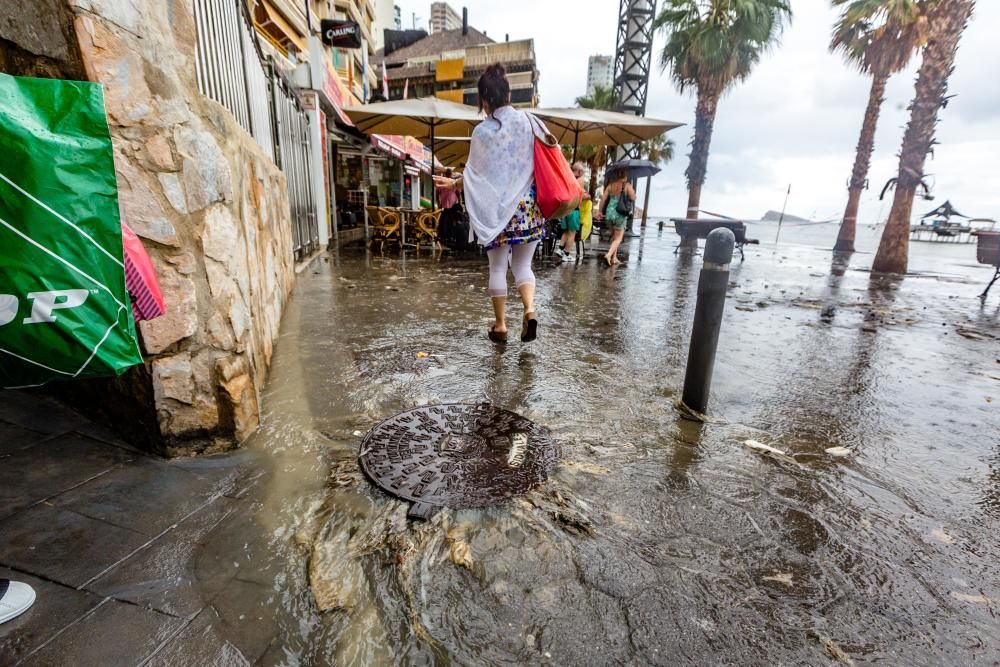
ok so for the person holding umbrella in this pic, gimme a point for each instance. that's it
(617, 204)
(499, 186)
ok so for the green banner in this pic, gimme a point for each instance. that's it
(64, 311)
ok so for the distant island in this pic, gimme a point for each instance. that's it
(774, 216)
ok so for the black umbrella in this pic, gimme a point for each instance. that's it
(635, 168)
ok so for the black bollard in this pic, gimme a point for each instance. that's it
(712, 286)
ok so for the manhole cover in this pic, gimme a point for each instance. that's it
(457, 456)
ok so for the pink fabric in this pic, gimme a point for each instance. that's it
(447, 198)
(140, 278)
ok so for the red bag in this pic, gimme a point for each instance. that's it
(556, 190)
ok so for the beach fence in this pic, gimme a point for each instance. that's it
(232, 70)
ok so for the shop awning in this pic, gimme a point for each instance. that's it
(389, 144)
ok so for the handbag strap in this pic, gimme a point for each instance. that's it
(540, 131)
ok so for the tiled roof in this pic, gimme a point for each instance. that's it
(434, 44)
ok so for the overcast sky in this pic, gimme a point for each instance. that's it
(795, 121)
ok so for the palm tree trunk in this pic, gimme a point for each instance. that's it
(947, 22)
(862, 163)
(704, 121)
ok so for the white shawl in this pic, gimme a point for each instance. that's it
(499, 172)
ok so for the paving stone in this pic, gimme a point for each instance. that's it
(106, 435)
(14, 438)
(63, 546)
(233, 473)
(114, 634)
(200, 644)
(52, 467)
(147, 496)
(161, 576)
(55, 607)
(38, 413)
(248, 622)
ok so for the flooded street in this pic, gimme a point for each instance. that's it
(657, 539)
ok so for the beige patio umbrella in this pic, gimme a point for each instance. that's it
(453, 151)
(596, 127)
(423, 118)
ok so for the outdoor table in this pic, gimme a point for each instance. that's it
(406, 215)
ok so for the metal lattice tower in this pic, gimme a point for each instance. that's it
(633, 57)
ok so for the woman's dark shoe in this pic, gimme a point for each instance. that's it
(498, 337)
(529, 330)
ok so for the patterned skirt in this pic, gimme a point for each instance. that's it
(525, 226)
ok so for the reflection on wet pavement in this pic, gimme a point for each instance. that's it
(657, 540)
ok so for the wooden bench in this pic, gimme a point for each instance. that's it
(692, 229)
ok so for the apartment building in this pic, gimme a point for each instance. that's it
(285, 26)
(600, 72)
(447, 64)
(443, 17)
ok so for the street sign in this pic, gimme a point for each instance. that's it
(342, 34)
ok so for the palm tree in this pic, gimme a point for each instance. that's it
(711, 46)
(658, 150)
(946, 22)
(879, 37)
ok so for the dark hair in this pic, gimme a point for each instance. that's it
(494, 89)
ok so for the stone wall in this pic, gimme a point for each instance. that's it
(213, 212)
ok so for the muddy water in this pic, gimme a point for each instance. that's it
(658, 540)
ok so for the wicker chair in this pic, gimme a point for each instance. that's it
(427, 228)
(387, 227)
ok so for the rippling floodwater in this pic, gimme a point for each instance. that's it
(657, 540)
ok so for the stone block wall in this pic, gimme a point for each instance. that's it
(211, 208)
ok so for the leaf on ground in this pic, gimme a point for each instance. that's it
(761, 447)
(582, 466)
(835, 651)
(939, 535)
(458, 547)
(838, 451)
(781, 578)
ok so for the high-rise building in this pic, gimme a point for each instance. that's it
(385, 17)
(397, 17)
(443, 17)
(600, 72)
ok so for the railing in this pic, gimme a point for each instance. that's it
(292, 134)
(232, 70)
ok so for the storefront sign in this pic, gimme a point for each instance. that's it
(342, 34)
(335, 92)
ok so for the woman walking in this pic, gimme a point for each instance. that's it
(499, 186)
(570, 223)
(616, 193)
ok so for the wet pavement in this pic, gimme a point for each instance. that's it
(107, 536)
(657, 540)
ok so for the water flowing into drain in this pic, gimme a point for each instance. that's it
(457, 456)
